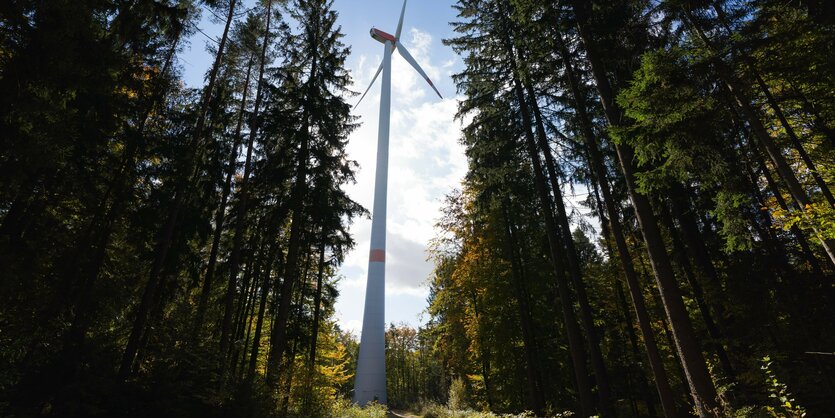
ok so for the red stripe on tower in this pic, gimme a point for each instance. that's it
(378, 256)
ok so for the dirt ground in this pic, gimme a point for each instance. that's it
(402, 414)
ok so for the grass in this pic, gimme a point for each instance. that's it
(431, 410)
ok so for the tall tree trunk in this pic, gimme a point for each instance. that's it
(775, 250)
(262, 307)
(574, 267)
(220, 214)
(148, 295)
(517, 275)
(240, 225)
(695, 246)
(697, 250)
(238, 356)
(597, 165)
(317, 303)
(795, 141)
(699, 379)
(166, 236)
(575, 336)
(713, 329)
(278, 337)
(155, 317)
(649, 399)
(105, 218)
(612, 231)
(250, 281)
(291, 358)
(483, 357)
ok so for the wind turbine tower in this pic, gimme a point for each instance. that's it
(370, 383)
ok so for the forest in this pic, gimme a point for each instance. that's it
(646, 227)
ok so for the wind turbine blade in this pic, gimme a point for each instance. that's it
(400, 23)
(408, 57)
(379, 70)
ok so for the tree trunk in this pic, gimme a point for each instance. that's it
(239, 356)
(262, 307)
(776, 251)
(105, 218)
(317, 302)
(483, 357)
(575, 336)
(633, 343)
(278, 338)
(612, 231)
(701, 385)
(517, 275)
(795, 141)
(574, 267)
(148, 295)
(220, 214)
(291, 358)
(165, 240)
(240, 225)
(615, 229)
(248, 286)
(711, 325)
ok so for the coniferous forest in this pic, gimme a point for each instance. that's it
(646, 227)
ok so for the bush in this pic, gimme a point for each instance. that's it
(440, 411)
(781, 402)
(345, 409)
(458, 395)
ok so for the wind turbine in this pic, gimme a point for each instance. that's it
(370, 383)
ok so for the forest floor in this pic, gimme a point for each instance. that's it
(401, 414)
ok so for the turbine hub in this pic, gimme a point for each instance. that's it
(382, 37)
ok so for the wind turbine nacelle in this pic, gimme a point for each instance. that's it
(385, 38)
(382, 37)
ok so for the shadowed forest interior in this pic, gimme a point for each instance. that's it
(646, 227)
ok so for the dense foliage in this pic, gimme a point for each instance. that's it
(168, 251)
(646, 225)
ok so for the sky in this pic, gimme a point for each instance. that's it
(426, 161)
